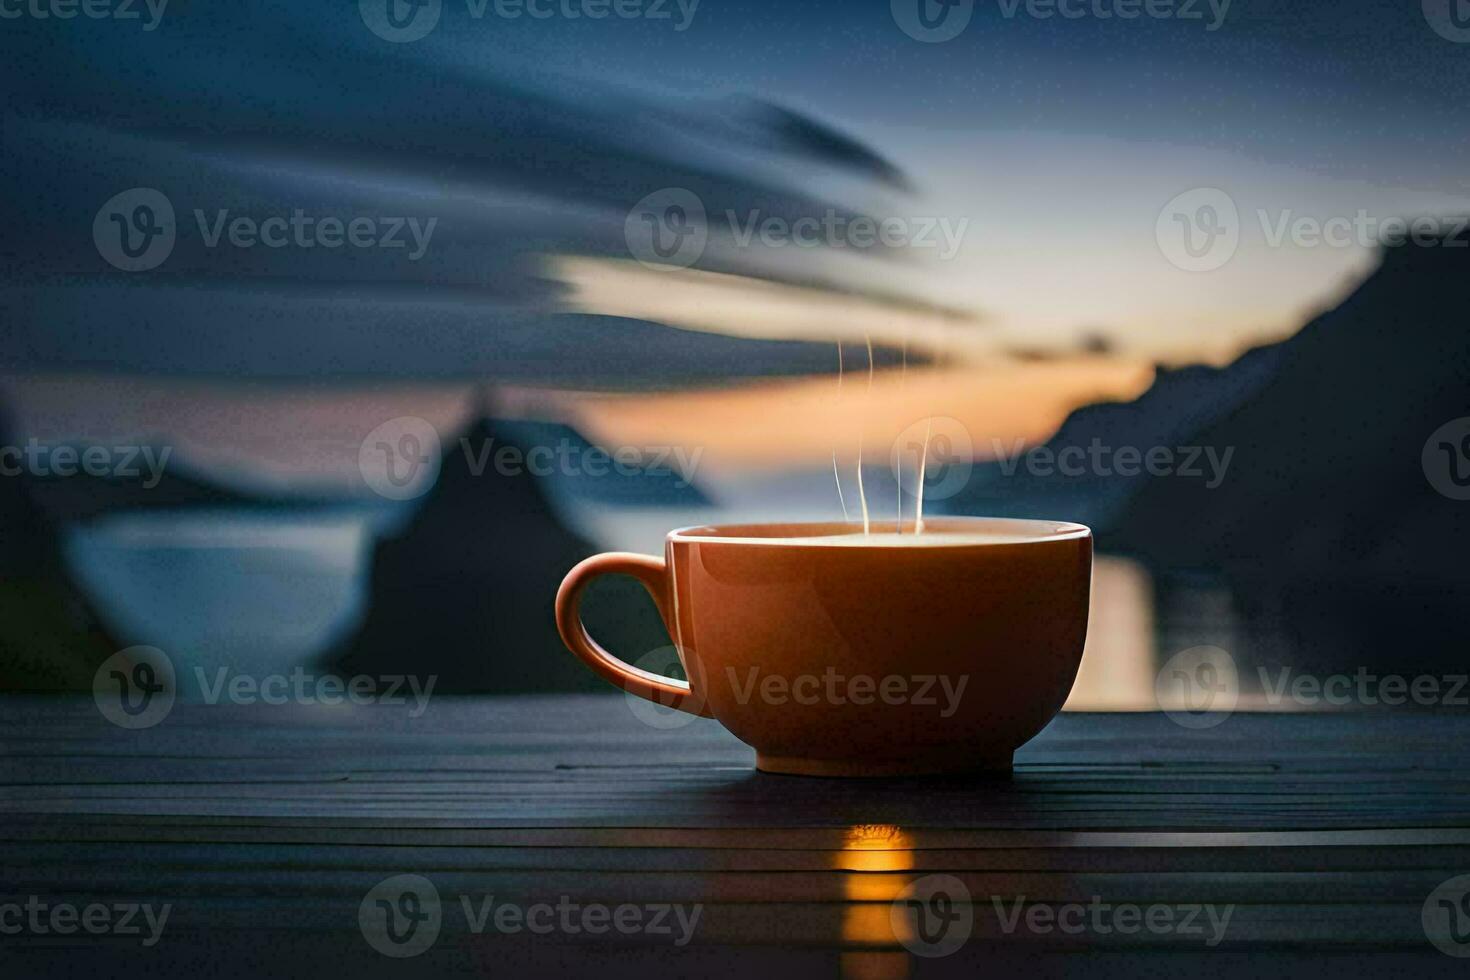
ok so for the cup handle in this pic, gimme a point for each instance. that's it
(654, 575)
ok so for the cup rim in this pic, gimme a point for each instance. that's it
(822, 534)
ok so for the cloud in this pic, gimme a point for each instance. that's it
(255, 113)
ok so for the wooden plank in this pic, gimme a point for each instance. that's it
(268, 826)
(168, 856)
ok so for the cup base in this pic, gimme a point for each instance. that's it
(996, 765)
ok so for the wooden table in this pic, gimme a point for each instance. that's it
(266, 828)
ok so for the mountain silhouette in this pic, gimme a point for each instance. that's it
(1328, 524)
(51, 638)
(1179, 403)
(466, 591)
(593, 476)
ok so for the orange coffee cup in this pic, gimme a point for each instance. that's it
(835, 653)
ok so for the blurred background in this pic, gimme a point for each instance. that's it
(334, 333)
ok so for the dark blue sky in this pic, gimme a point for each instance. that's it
(1061, 139)
(1057, 141)
(1365, 88)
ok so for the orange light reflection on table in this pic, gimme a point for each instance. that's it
(877, 855)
